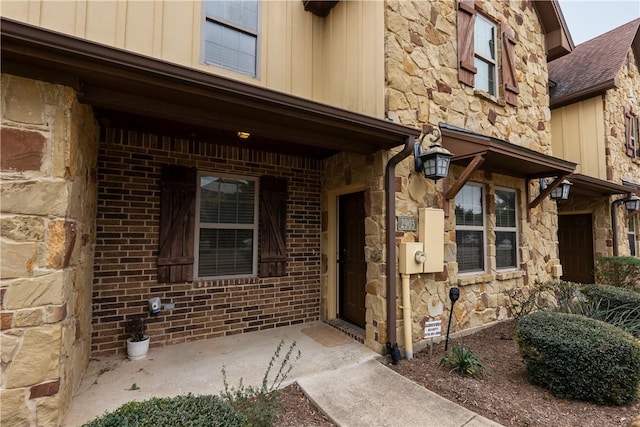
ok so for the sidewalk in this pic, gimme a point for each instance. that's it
(338, 374)
(370, 394)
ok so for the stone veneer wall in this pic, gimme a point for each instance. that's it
(423, 87)
(128, 216)
(619, 165)
(48, 203)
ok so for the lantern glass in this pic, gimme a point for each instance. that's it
(561, 192)
(436, 165)
(633, 204)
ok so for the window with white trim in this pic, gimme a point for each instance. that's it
(226, 226)
(231, 35)
(631, 234)
(485, 51)
(470, 228)
(632, 135)
(506, 229)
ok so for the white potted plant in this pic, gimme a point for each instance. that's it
(137, 342)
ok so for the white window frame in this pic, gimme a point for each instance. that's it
(199, 226)
(631, 236)
(635, 138)
(206, 18)
(482, 228)
(493, 89)
(509, 229)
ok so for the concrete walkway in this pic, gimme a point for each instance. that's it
(341, 376)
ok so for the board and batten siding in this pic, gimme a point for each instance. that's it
(577, 133)
(337, 60)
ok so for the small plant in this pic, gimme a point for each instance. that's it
(259, 404)
(462, 361)
(618, 271)
(136, 327)
(523, 301)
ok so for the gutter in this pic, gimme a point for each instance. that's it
(391, 259)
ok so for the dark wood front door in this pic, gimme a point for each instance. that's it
(575, 241)
(352, 265)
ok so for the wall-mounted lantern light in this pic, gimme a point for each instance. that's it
(632, 204)
(561, 192)
(434, 161)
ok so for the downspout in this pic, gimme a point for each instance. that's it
(391, 267)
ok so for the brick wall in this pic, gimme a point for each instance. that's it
(125, 274)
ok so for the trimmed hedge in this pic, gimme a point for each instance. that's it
(576, 357)
(611, 296)
(619, 271)
(191, 410)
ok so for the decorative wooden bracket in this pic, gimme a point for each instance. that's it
(544, 193)
(462, 180)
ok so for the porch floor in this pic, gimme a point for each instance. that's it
(196, 367)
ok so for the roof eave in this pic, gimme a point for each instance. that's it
(583, 94)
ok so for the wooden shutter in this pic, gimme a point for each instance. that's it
(466, 23)
(509, 80)
(177, 218)
(627, 132)
(273, 227)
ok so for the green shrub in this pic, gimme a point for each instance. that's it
(611, 296)
(245, 406)
(175, 411)
(576, 357)
(619, 271)
(462, 361)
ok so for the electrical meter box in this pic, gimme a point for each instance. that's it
(431, 232)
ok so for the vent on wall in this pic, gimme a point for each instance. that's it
(319, 7)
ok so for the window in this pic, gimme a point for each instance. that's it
(485, 55)
(478, 66)
(209, 225)
(470, 229)
(226, 226)
(631, 234)
(506, 229)
(632, 136)
(231, 35)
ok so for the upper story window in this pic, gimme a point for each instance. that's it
(632, 135)
(631, 234)
(231, 35)
(226, 226)
(506, 229)
(485, 55)
(479, 65)
(470, 229)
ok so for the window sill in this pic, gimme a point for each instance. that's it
(489, 97)
(465, 279)
(210, 283)
(509, 274)
(474, 278)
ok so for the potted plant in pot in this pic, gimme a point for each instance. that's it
(137, 342)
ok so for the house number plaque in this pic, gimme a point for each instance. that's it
(407, 223)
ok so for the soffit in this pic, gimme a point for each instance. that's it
(501, 156)
(119, 81)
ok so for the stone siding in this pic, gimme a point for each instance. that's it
(423, 88)
(125, 274)
(48, 205)
(619, 165)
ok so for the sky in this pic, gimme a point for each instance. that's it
(587, 19)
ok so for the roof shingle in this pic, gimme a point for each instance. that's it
(593, 66)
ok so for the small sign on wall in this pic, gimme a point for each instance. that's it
(432, 329)
(407, 223)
